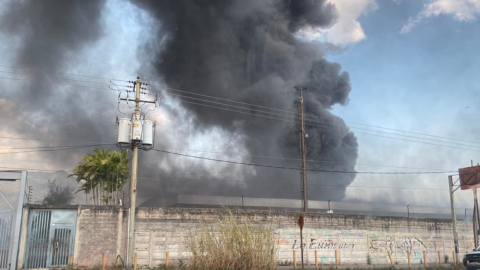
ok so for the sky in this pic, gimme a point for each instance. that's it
(417, 77)
(411, 66)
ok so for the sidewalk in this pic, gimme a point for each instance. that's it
(375, 266)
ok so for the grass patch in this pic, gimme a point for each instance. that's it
(231, 245)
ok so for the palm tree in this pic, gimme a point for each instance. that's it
(102, 174)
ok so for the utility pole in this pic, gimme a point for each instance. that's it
(133, 186)
(475, 217)
(303, 150)
(454, 217)
(135, 133)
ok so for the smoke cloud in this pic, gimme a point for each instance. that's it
(51, 34)
(248, 51)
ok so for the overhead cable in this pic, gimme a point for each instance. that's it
(292, 168)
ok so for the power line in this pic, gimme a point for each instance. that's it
(71, 85)
(329, 125)
(369, 134)
(291, 121)
(37, 139)
(395, 134)
(32, 169)
(288, 184)
(56, 149)
(214, 152)
(296, 113)
(45, 147)
(297, 169)
(54, 72)
(223, 99)
(64, 79)
(309, 160)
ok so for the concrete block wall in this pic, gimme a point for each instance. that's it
(100, 230)
(358, 239)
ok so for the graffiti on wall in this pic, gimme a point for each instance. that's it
(414, 245)
(323, 244)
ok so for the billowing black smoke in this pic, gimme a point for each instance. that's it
(248, 51)
(244, 50)
(50, 36)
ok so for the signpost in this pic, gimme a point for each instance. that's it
(300, 223)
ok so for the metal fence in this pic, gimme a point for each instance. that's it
(50, 239)
(6, 227)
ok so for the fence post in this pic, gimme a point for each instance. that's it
(390, 257)
(316, 259)
(166, 259)
(425, 258)
(135, 261)
(294, 259)
(104, 261)
(439, 257)
(368, 244)
(336, 259)
(409, 259)
(273, 259)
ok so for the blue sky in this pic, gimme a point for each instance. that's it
(420, 81)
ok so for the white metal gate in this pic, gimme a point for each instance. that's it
(6, 228)
(51, 237)
(11, 209)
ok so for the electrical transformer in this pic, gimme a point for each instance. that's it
(148, 133)
(123, 133)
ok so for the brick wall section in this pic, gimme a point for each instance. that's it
(98, 230)
(356, 238)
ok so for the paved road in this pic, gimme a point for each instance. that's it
(376, 266)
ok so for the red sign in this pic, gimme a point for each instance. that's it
(469, 177)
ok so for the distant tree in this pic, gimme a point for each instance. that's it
(58, 194)
(103, 175)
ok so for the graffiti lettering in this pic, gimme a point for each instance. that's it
(404, 243)
(322, 244)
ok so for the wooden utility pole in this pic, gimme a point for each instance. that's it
(133, 185)
(454, 215)
(476, 222)
(303, 150)
(136, 133)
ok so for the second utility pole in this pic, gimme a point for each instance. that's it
(133, 186)
(303, 150)
(454, 216)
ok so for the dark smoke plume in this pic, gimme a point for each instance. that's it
(51, 35)
(244, 50)
(248, 51)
